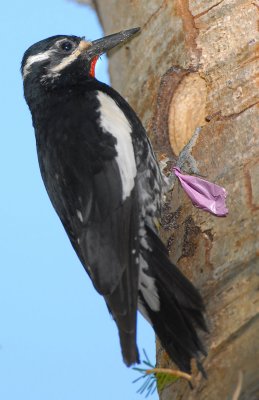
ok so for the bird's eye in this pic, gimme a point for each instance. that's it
(66, 46)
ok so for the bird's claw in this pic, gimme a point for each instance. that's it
(186, 161)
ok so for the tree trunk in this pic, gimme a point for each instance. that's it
(194, 65)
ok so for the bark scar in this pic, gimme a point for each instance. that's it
(154, 14)
(168, 85)
(219, 117)
(249, 169)
(190, 29)
(208, 9)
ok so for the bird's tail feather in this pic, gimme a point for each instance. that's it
(123, 307)
(129, 348)
(180, 310)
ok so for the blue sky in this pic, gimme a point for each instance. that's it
(57, 340)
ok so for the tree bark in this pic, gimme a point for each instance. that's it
(194, 65)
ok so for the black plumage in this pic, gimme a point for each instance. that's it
(104, 182)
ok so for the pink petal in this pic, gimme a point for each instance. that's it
(203, 194)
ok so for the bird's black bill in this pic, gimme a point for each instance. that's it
(106, 43)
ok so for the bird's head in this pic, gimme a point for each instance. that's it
(66, 60)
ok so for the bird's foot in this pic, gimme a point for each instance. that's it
(186, 161)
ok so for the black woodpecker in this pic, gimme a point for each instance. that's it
(105, 184)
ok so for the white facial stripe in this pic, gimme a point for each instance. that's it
(113, 120)
(65, 62)
(83, 45)
(33, 59)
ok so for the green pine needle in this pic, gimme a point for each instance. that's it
(153, 380)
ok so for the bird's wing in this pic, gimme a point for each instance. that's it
(108, 247)
(107, 228)
(90, 173)
(107, 240)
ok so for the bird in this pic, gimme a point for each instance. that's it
(105, 184)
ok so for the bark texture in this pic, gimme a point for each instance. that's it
(195, 64)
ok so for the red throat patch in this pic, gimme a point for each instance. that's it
(92, 66)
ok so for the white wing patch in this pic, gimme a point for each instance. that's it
(34, 59)
(113, 120)
(79, 215)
